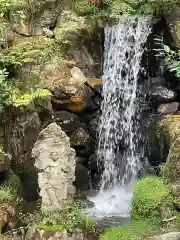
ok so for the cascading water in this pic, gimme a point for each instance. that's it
(119, 151)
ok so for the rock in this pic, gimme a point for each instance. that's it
(4, 161)
(166, 211)
(93, 163)
(82, 178)
(175, 189)
(68, 121)
(168, 131)
(161, 94)
(173, 23)
(22, 129)
(46, 15)
(55, 161)
(79, 138)
(168, 108)
(8, 216)
(167, 236)
(69, 26)
(48, 32)
(57, 235)
(73, 29)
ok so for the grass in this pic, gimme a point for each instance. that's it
(133, 231)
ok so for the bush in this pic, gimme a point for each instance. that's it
(149, 194)
(6, 195)
(132, 231)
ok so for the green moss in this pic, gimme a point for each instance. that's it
(58, 228)
(149, 194)
(133, 231)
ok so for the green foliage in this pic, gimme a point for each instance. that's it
(6, 194)
(149, 194)
(5, 88)
(67, 219)
(26, 98)
(114, 8)
(26, 50)
(171, 57)
(133, 231)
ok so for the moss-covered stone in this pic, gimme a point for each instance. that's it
(133, 231)
(169, 136)
(149, 196)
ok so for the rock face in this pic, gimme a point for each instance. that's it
(55, 161)
(168, 131)
(173, 22)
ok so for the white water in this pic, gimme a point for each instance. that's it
(119, 135)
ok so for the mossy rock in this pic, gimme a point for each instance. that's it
(150, 194)
(169, 136)
(14, 183)
(136, 230)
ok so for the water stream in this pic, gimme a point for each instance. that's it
(119, 150)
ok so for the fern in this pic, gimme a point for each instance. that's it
(170, 57)
(26, 98)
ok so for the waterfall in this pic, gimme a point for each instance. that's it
(119, 148)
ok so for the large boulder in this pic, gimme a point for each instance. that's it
(168, 131)
(39, 15)
(55, 162)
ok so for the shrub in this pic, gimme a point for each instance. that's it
(68, 219)
(6, 194)
(133, 231)
(149, 194)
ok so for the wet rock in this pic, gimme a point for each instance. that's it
(82, 181)
(79, 138)
(55, 161)
(67, 121)
(93, 163)
(4, 161)
(168, 108)
(162, 94)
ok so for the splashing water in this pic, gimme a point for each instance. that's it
(119, 151)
